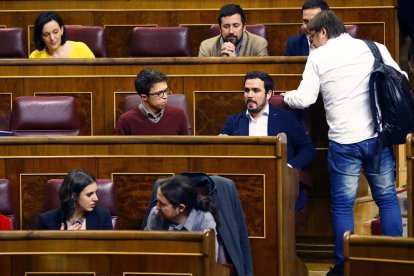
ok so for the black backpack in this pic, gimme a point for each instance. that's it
(391, 101)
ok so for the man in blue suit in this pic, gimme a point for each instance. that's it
(299, 45)
(264, 119)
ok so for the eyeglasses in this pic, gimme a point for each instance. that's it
(167, 91)
(311, 36)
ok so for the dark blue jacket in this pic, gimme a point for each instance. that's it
(297, 46)
(301, 150)
(231, 229)
(98, 219)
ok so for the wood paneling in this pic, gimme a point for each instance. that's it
(132, 190)
(378, 255)
(108, 253)
(251, 189)
(10, 88)
(409, 149)
(173, 4)
(266, 186)
(118, 39)
(2, 169)
(210, 118)
(32, 192)
(5, 110)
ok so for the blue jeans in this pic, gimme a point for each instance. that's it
(345, 163)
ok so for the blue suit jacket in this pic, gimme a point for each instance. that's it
(300, 148)
(98, 219)
(297, 46)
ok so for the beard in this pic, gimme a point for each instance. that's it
(234, 40)
(256, 109)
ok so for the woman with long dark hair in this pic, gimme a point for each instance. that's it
(78, 210)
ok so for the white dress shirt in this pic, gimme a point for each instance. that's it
(340, 70)
(258, 126)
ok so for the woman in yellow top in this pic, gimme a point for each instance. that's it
(50, 39)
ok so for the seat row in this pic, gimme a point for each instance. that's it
(145, 41)
(107, 199)
(57, 115)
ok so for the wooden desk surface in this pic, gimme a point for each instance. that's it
(14, 68)
(174, 146)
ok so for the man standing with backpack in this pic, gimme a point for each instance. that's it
(340, 69)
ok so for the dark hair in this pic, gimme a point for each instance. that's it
(313, 4)
(179, 189)
(74, 183)
(329, 21)
(146, 79)
(229, 10)
(269, 83)
(43, 19)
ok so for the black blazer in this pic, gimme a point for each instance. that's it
(98, 219)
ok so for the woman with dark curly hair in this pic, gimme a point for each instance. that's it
(78, 210)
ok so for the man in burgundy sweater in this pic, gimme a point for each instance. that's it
(153, 116)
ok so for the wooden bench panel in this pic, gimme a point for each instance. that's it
(378, 255)
(172, 4)
(409, 151)
(109, 253)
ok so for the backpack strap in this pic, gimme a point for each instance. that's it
(373, 85)
(375, 51)
(373, 99)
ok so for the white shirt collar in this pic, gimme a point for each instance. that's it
(264, 113)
